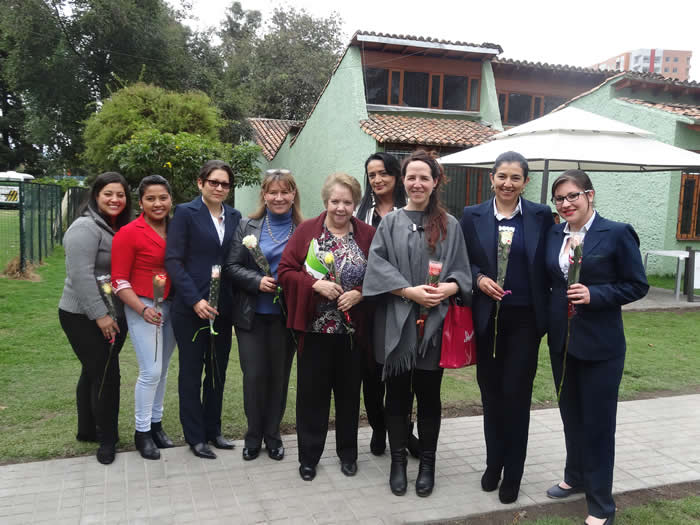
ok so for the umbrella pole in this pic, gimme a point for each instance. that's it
(545, 183)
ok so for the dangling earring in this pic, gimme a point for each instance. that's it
(374, 201)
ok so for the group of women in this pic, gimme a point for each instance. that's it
(348, 290)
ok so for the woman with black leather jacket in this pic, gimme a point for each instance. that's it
(265, 346)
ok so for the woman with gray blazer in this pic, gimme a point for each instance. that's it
(265, 346)
(95, 335)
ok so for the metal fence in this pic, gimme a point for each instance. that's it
(32, 222)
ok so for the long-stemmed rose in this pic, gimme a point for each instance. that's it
(214, 288)
(505, 241)
(573, 276)
(159, 280)
(333, 275)
(104, 284)
(433, 279)
(251, 242)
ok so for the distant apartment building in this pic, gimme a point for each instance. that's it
(667, 62)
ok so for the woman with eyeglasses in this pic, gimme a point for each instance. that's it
(199, 239)
(590, 369)
(506, 370)
(265, 346)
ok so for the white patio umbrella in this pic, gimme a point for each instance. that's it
(572, 138)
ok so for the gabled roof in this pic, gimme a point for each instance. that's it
(509, 63)
(692, 111)
(270, 133)
(388, 39)
(426, 131)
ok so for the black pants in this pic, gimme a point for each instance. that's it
(506, 388)
(373, 390)
(201, 401)
(400, 389)
(98, 415)
(326, 364)
(266, 353)
(588, 408)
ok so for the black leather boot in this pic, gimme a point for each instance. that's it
(397, 427)
(413, 443)
(160, 438)
(145, 445)
(428, 432)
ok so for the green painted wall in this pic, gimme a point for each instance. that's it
(488, 102)
(330, 142)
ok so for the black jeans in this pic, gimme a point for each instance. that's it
(266, 353)
(426, 386)
(327, 363)
(98, 415)
(373, 390)
(506, 388)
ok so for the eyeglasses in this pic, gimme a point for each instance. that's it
(278, 172)
(217, 183)
(557, 200)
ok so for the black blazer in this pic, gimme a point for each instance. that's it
(612, 269)
(480, 229)
(192, 249)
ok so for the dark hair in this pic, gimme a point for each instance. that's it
(213, 165)
(511, 156)
(578, 177)
(435, 219)
(153, 180)
(393, 168)
(102, 180)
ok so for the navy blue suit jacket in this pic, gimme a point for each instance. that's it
(480, 229)
(612, 269)
(192, 249)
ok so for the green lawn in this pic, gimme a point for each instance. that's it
(38, 372)
(667, 281)
(684, 511)
(9, 236)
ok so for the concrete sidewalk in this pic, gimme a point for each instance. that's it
(662, 299)
(658, 442)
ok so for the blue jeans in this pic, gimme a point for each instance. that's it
(153, 370)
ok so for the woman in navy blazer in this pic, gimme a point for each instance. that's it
(612, 274)
(199, 237)
(506, 380)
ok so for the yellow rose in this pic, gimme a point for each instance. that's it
(328, 259)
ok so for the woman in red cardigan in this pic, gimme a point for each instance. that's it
(140, 281)
(332, 326)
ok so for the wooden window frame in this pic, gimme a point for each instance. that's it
(694, 235)
(430, 88)
(506, 106)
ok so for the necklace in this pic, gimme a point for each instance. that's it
(269, 231)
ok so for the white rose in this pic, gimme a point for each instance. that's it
(250, 241)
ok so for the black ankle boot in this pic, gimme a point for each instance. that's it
(106, 453)
(160, 438)
(397, 476)
(145, 445)
(426, 474)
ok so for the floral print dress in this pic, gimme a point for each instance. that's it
(351, 264)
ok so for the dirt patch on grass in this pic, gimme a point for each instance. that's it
(13, 271)
(577, 508)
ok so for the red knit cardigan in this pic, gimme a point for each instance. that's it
(297, 283)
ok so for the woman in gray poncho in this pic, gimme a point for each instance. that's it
(406, 241)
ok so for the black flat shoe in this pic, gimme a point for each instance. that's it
(557, 492)
(276, 453)
(349, 469)
(145, 445)
(250, 453)
(106, 453)
(160, 438)
(307, 473)
(202, 450)
(490, 479)
(508, 492)
(222, 443)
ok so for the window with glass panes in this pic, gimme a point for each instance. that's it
(518, 108)
(689, 208)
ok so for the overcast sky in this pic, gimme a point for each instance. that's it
(578, 33)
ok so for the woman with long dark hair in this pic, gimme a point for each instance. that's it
(265, 346)
(407, 242)
(85, 316)
(588, 369)
(506, 374)
(141, 283)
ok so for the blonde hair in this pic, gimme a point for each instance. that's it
(286, 178)
(343, 179)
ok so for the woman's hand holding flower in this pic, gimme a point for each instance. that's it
(348, 299)
(490, 287)
(268, 284)
(328, 289)
(425, 295)
(578, 294)
(151, 316)
(107, 326)
(204, 311)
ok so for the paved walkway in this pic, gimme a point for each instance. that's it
(658, 442)
(661, 299)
